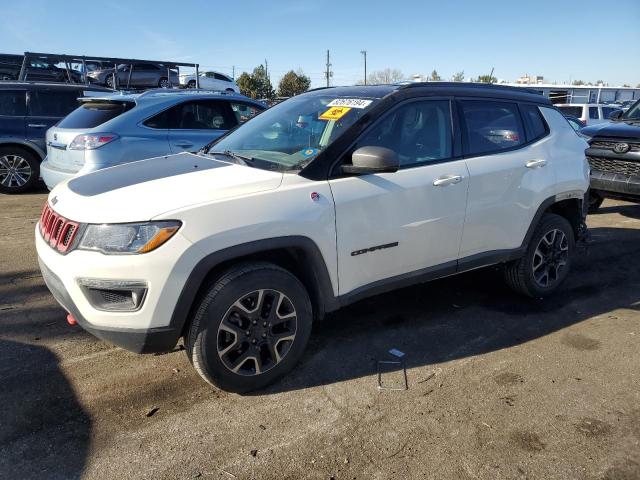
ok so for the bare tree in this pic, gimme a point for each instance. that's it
(458, 77)
(385, 76)
(434, 76)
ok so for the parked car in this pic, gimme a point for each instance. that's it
(210, 81)
(145, 75)
(575, 122)
(114, 129)
(327, 198)
(614, 156)
(589, 113)
(36, 70)
(27, 110)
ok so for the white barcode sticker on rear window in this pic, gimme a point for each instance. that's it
(349, 102)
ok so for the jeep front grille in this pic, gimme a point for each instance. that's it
(611, 165)
(56, 230)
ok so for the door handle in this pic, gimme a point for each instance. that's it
(535, 163)
(183, 144)
(445, 180)
(36, 125)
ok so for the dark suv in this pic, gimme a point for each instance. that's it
(614, 156)
(27, 110)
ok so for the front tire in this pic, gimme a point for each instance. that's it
(250, 328)
(191, 84)
(163, 82)
(19, 170)
(547, 260)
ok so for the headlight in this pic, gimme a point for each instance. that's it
(128, 238)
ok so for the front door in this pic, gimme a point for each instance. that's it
(392, 224)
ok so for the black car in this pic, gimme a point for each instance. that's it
(614, 156)
(27, 110)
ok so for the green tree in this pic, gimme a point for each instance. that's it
(486, 79)
(256, 84)
(434, 76)
(459, 77)
(293, 84)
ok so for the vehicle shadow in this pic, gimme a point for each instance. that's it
(44, 431)
(628, 210)
(466, 315)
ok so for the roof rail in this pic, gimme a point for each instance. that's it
(465, 84)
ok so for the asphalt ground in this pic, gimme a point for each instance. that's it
(499, 386)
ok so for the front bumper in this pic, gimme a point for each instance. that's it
(151, 328)
(151, 340)
(618, 184)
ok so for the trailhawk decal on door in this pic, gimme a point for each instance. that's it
(373, 249)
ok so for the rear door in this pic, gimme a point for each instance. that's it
(13, 108)
(195, 123)
(45, 108)
(509, 171)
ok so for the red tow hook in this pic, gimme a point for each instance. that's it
(71, 320)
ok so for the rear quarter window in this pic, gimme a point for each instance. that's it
(535, 124)
(53, 103)
(92, 114)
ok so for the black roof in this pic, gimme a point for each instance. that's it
(438, 88)
(59, 85)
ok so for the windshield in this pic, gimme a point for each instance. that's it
(633, 113)
(294, 132)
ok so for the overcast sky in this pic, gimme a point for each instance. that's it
(562, 40)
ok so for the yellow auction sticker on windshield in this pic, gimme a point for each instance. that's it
(334, 113)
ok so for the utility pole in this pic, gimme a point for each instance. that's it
(328, 73)
(266, 68)
(491, 76)
(364, 52)
(233, 72)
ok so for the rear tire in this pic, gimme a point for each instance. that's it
(163, 82)
(19, 170)
(547, 259)
(191, 84)
(250, 328)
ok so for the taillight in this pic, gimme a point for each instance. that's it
(91, 141)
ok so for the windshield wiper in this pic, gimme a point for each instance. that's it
(239, 158)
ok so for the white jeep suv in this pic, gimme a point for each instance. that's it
(325, 199)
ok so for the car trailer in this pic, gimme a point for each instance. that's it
(84, 59)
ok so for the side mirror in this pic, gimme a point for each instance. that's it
(615, 115)
(372, 160)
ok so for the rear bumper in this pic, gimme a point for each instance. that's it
(136, 340)
(52, 176)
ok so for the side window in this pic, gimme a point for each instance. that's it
(243, 112)
(53, 103)
(159, 121)
(13, 103)
(202, 115)
(606, 111)
(491, 126)
(593, 112)
(419, 132)
(536, 126)
(217, 76)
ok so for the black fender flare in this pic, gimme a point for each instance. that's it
(325, 295)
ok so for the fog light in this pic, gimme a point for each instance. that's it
(114, 295)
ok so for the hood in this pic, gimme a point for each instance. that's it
(619, 129)
(145, 189)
